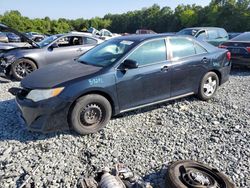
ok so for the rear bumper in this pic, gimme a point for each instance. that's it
(225, 73)
(45, 116)
(237, 60)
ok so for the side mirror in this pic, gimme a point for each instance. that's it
(54, 45)
(130, 64)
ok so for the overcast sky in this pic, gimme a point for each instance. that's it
(72, 9)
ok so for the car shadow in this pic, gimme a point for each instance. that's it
(12, 126)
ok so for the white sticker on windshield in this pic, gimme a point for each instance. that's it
(126, 42)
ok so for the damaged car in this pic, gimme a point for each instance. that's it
(120, 75)
(21, 61)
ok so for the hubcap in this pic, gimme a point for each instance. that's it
(23, 68)
(90, 115)
(210, 86)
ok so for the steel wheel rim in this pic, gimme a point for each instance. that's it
(91, 115)
(23, 69)
(209, 86)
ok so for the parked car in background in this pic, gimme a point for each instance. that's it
(240, 49)
(3, 37)
(119, 75)
(37, 37)
(144, 31)
(12, 37)
(212, 35)
(105, 34)
(232, 35)
(18, 62)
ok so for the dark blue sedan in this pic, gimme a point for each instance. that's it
(120, 75)
(239, 48)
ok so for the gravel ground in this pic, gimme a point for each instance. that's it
(215, 132)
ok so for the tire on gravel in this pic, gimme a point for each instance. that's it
(90, 114)
(203, 93)
(15, 68)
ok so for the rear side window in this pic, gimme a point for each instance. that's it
(150, 52)
(87, 40)
(181, 47)
(212, 34)
(199, 49)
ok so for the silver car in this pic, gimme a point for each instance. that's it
(18, 62)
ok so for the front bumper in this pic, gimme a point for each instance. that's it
(44, 116)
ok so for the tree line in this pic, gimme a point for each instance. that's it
(233, 15)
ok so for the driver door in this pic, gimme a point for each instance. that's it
(150, 81)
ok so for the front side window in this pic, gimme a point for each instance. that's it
(181, 47)
(69, 41)
(150, 52)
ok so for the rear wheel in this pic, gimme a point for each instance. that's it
(208, 86)
(90, 114)
(22, 67)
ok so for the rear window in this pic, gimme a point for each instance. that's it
(222, 33)
(212, 34)
(242, 37)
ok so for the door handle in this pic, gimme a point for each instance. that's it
(164, 69)
(204, 60)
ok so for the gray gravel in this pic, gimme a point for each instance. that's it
(215, 132)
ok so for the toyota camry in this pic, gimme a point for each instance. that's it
(120, 75)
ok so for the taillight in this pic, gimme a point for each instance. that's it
(228, 56)
(248, 49)
(222, 46)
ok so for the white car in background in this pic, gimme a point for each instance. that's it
(106, 34)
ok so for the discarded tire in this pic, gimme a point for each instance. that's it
(190, 174)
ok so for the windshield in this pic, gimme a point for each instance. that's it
(191, 32)
(48, 40)
(242, 37)
(107, 53)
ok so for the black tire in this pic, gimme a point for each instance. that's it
(22, 67)
(90, 114)
(179, 175)
(207, 93)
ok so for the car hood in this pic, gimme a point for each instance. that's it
(5, 46)
(57, 74)
(5, 28)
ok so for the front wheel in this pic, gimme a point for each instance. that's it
(22, 67)
(90, 114)
(208, 86)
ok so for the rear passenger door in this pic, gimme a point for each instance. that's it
(189, 60)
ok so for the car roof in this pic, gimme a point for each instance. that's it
(143, 37)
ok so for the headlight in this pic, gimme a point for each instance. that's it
(42, 94)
